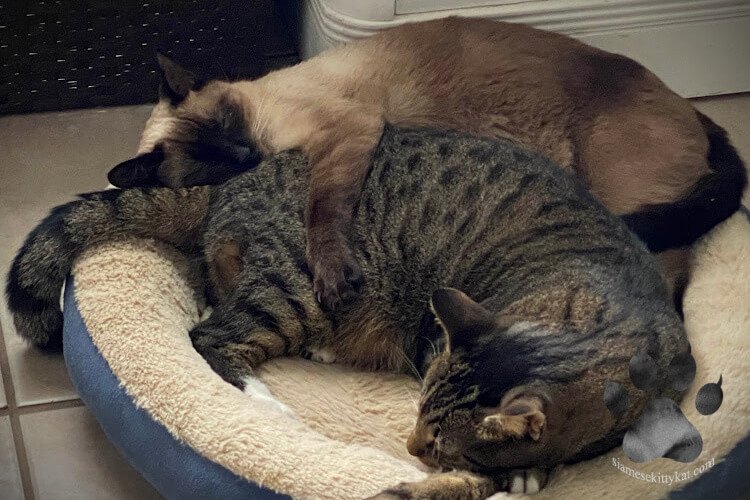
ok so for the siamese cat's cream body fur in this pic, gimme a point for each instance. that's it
(635, 143)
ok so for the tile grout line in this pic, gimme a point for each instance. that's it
(15, 422)
(50, 406)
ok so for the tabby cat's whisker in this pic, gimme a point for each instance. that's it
(410, 364)
(416, 404)
(432, 344)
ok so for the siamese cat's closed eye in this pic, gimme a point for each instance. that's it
(202, 150)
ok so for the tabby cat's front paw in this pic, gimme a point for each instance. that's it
(467, 486)
(336, 274)
(457, 485)
(402, 491)
(390, 494)
(527, 481)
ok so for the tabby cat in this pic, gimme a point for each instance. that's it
(639, 148)
(556, 293)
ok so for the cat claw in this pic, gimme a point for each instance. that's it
(334, 281)
(319, 355)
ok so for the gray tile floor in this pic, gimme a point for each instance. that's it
(50, 445)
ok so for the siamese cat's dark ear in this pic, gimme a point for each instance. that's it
(461, 317)
(141, 171)
(176, 81)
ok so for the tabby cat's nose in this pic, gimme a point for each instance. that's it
(420, 444)
(414, 444)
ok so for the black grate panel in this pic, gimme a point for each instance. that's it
(62, 54)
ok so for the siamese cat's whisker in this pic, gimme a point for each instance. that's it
(221, 68)
(263, 116)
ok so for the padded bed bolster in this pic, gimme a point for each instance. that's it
(173, 468)
(325, 431)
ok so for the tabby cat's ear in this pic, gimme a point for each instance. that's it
(521, 417)
(141, 171)
(176, 81)
(461, 318)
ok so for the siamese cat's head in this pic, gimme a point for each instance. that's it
(204, 137)
(479, 410)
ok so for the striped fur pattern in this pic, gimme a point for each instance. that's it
(562, 294)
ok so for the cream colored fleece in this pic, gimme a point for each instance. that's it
(346, 432)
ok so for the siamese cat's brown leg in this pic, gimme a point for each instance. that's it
(340, 154)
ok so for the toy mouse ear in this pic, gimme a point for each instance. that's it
(460, 317)
(141, 171)
(176, 81)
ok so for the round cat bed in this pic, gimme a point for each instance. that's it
(310, 430)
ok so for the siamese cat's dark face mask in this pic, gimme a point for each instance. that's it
(203, 148)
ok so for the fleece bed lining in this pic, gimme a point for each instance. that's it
(331, 432)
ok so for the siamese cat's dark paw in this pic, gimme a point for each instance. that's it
(336, 276)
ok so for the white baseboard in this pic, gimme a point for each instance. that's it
(698, 47)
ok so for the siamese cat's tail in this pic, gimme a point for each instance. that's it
(714, 198)
(42, 264)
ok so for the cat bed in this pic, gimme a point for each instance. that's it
(310, 430)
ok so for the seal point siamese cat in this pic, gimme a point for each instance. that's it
(642, 150)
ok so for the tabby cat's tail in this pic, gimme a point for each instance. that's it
(714, 198)
(46, 257)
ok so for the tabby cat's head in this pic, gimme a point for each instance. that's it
(206, 138)
(477, 412)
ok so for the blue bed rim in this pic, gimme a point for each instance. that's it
(174, 469)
